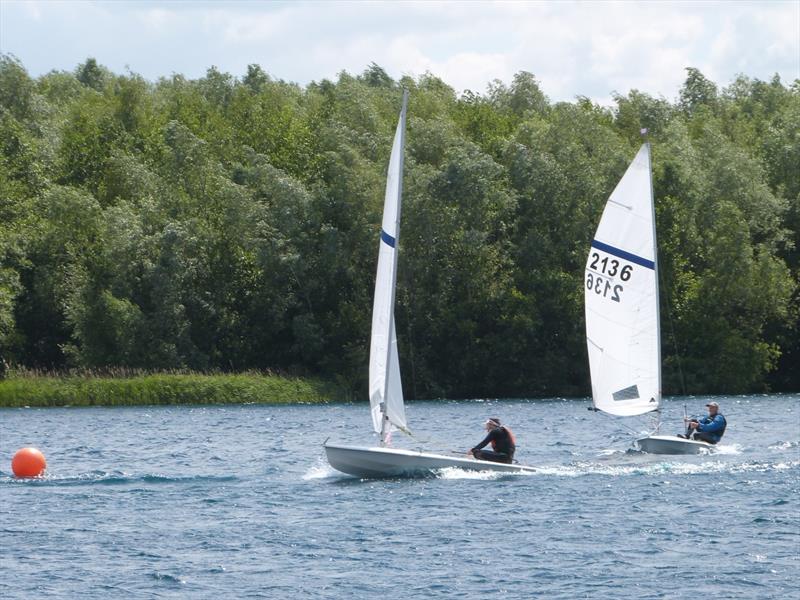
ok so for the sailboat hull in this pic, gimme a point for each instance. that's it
(671, 444)
(396, 462)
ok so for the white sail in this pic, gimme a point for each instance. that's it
(385, 389)
(621, 290)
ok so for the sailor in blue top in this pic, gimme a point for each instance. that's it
(708, 429)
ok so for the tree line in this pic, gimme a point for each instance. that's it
(231, 223)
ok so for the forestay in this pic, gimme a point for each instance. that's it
(621, 287)
(385, 389)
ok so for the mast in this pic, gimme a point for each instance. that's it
(655, 260)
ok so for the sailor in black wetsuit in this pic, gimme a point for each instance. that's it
(502, 440)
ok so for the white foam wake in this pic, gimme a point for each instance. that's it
(581, 469)
(319, 471)
(661, 468)
(784, 446)
(729, 449)
(456, 473)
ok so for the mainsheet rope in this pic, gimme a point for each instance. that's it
(630, 429)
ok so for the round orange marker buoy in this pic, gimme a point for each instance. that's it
(28, 462)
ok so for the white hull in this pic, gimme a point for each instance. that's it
(395, 462)
(672, 444)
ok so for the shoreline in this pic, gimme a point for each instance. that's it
(37, 391)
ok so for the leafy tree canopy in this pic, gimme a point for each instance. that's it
(231, 223)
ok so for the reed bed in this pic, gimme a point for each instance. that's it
(36, 389)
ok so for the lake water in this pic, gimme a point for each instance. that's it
(238, 502)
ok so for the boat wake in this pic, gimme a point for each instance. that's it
(785, 446)
(320, 471)
(110, 478)
(731, 449)
(665, 467)
(728, 449)
(615, 452)
(457, 473)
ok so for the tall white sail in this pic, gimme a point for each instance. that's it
(621, 289)
(385, 389)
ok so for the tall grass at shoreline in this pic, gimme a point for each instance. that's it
(130, 388)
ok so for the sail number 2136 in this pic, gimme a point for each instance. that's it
(609, 267)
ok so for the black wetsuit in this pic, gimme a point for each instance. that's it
(502, 444)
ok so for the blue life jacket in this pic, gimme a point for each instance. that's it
(715, 427)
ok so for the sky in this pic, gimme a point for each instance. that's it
(592, 49)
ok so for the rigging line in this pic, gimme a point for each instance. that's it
(445, 444)
(631, 430)
(434, 439)
(655, 421)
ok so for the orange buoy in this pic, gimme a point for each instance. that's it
(28, 462)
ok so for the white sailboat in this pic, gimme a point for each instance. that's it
(385, 389)
(622, 312)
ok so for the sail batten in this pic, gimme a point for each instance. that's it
(621, 293)
(385, 388)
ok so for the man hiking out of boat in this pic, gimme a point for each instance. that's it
(707, 429)
(502, 440)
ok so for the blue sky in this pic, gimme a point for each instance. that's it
(574, 48)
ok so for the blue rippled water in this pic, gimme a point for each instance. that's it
(238, 502)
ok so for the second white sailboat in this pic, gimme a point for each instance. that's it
(622, 310)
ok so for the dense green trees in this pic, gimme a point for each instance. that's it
(231, 224)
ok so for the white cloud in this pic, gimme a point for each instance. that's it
(471, 70)
(158, 19)
(249, 29)
(573, 48)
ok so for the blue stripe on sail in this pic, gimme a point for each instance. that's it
(624, 255)
(387, 238)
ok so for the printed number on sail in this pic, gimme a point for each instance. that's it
(603, 286)
(610, 267)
